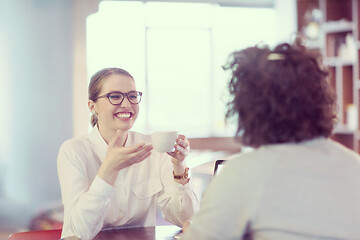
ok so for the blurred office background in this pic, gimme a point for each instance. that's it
(50, 48)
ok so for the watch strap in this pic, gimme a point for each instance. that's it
(183, 176)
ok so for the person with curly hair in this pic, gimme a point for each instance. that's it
(297, 183)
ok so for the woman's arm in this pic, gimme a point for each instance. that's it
(177, 200)
(85, 201)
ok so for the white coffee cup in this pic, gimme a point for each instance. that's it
(164, 141)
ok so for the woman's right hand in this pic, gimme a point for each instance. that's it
(186, 225)
(119, 157)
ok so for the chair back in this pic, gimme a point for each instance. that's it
(54, 234)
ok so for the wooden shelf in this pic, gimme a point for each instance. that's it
(339, 19)
(343, 129)
(338, 62)
(338, 26)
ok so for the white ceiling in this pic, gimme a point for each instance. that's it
(234, 3)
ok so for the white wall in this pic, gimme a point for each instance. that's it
(36, 101)
(286, 19)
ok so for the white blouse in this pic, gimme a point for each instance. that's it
(91, 204)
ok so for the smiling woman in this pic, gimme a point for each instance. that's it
(111, 177)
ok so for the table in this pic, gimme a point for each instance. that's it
(167, 232)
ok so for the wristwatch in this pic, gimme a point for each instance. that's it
(185, 175)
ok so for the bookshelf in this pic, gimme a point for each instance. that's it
(332, 26)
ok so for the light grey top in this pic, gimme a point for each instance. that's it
(309, 190)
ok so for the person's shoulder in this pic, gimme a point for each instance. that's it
(341, 149)
(246, 162)
(252, 163)
(76, 144)
(242, 175)
(246, 157)
(75, 151)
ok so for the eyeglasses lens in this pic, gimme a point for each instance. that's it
(116, 98)
(134, 97)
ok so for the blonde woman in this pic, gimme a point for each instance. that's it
(111, 177)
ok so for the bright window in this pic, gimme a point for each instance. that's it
(175, 52)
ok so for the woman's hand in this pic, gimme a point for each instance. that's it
(119, 157)
(186, 225)
(182, 149)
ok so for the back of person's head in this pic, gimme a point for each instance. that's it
(280, 96)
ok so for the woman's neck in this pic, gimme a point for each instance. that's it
(108, 134)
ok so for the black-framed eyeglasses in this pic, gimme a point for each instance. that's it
(116, 98)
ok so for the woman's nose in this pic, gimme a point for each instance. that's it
(125, 102)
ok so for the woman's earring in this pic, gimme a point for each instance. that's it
(94, 112)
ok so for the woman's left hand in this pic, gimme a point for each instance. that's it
(182, 149)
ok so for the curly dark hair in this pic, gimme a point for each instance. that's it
(280, 96)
